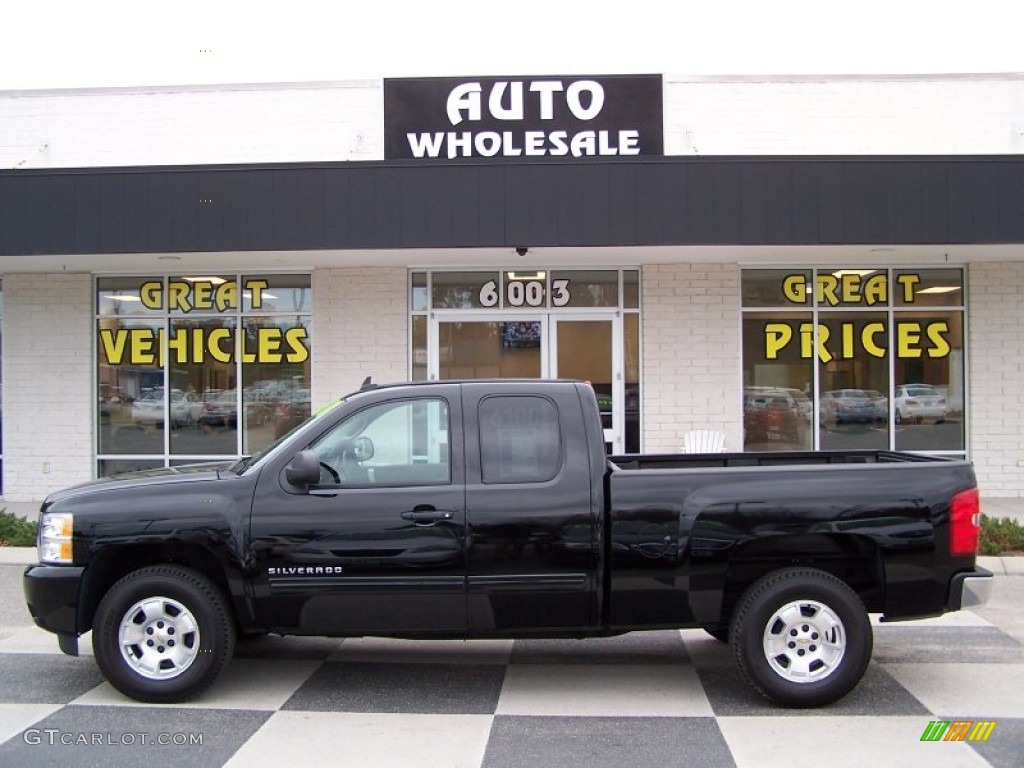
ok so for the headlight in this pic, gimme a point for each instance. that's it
(55, 539)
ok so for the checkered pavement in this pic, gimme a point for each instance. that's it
(646, 699)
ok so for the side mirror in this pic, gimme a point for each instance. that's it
(362, 448)
(303, 470)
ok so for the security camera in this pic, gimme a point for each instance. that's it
(521, 250)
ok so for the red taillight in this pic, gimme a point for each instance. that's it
(964, 523)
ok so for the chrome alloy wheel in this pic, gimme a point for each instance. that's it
(804, 641)
(159, 638)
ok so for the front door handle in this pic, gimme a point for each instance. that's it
(426, 515)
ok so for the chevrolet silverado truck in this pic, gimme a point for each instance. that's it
(490, 510)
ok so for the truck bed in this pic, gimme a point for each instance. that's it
(765, 459)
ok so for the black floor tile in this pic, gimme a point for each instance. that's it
(412, 688)
(33, 678)
(605, 742)
(877, 694)
(664, 647)
(87, 737)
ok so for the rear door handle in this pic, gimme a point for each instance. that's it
(426, 515)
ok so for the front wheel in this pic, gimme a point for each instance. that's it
(163, 634)
(801, 637)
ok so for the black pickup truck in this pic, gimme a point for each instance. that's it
(489, 509)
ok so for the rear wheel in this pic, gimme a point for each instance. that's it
(163, 634)
(801, 637)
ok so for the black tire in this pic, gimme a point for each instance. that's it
(721, 634)
(194, 641)
(816, 606)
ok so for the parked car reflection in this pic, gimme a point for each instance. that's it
(917, 402)
(847, 406)
(774, 413)
(150, 408)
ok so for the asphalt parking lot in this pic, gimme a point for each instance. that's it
(659, 698)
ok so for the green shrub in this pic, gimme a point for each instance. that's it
(1000, 537)
(16, 531)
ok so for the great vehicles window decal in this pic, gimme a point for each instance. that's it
(558, 117)
(248, 343)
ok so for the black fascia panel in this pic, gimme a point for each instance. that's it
(686, 201)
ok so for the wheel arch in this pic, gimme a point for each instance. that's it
(113, 563)
(853, 559)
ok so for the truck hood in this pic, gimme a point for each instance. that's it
(190, 473)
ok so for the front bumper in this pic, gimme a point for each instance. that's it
(970, 589)
(51, 592)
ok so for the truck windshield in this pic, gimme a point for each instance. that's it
(240, 466)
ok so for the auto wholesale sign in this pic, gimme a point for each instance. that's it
(559, 117)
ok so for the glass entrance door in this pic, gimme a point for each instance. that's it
(588, 347)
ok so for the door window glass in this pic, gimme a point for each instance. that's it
(391, 444)
(520, 439)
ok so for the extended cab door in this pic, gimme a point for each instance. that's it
(533, 508)
(377, 545)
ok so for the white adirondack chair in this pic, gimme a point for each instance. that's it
(704, 441)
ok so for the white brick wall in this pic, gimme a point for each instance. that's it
(691, 366)
(967, 114)
(49, 402)
(361, 321)
(171, 126)
(996, 348)
(955, 115)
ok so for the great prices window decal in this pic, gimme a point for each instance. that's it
(910, 337)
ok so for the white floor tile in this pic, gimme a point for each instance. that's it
(954, 619)
(965, 691)
(15, 718)
(365, 740)
(36, 640)
(651, 690)
(841, 742)
(245, 684)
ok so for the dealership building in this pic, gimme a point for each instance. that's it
(800, 263)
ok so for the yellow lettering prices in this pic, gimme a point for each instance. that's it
(845, 340)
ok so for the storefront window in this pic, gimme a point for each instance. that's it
(1, 389)
(868, 362)
(778, 381)
(192, 368)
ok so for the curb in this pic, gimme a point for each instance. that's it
(18, 555)
(1001, 566)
